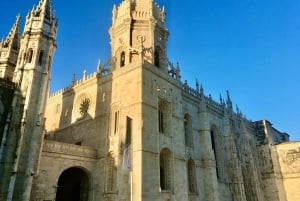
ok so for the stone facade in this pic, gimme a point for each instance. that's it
(132, 130)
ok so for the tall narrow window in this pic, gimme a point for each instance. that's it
(128, 131)
(213, 144)
(41, 55)
(29, 55)
(188, 130)
(160, 121)
(165, 169)
(122, 59)
(116, 126)
(192, 177)
(156, 59)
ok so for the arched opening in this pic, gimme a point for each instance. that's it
(73, 185)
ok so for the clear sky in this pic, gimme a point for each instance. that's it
(249, 47)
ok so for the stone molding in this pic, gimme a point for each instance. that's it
(69, 149)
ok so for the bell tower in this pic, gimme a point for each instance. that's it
(32, 76)
(139, 34)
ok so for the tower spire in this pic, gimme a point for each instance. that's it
(10, 48)
(14, 34)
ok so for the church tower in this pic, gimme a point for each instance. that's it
(32, 76)
(138, 33)
(145, 94)
(9, 50)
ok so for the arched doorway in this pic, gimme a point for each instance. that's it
(73, 185)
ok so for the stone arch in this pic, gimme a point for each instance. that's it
(165, 169)
(73, 185)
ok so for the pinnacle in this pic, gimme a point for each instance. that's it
(14, 32)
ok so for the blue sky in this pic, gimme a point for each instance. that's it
(249, 47)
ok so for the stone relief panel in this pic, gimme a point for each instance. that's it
(290, 161)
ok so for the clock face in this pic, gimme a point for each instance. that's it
(84, 106)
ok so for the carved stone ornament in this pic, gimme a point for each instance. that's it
(84, 106)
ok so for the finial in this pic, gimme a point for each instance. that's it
(201, 89)
(99, 66)
(229, 103)
(197, 85)
(163, 14)
(228, 95)
(178, 76)
(237, 109)
(221, 99)
(84, 74)
(73, 79)
(18, 17)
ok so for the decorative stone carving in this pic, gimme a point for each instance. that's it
(69, 149)
(290, 161)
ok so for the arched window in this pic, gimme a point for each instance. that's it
(165, 169)
(73, 184)
(164, 117)
(122, 59)
(213, 144)
(29, 55)
(192, 180)
(188, 130)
